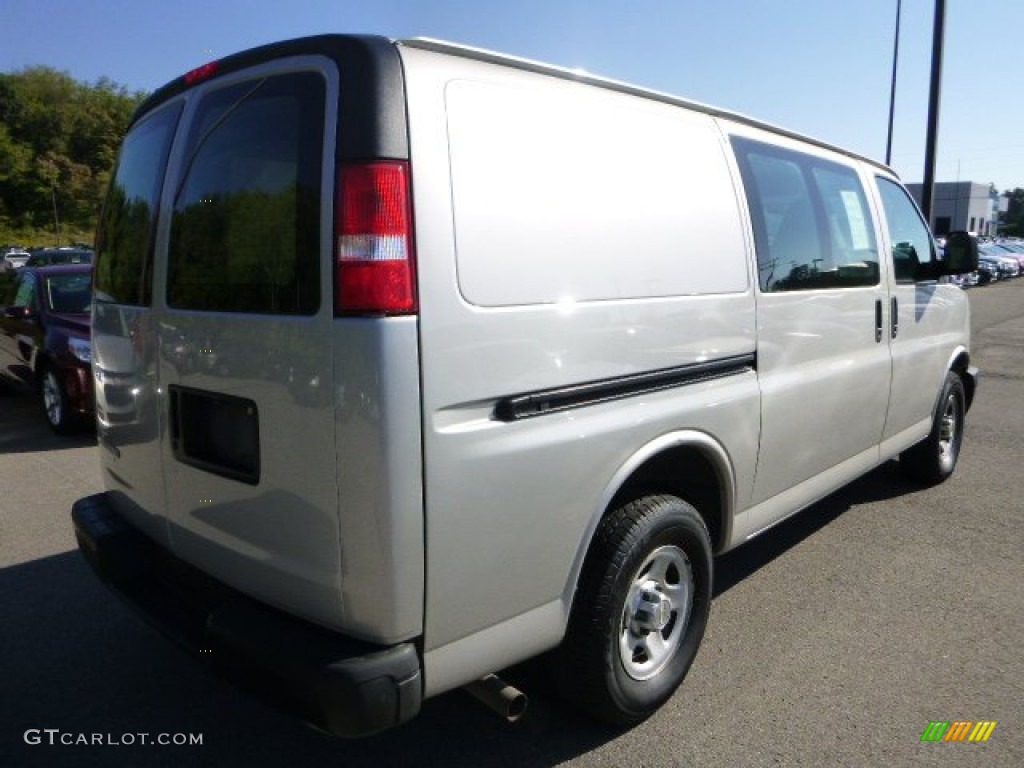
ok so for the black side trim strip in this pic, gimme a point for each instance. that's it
(518, 407)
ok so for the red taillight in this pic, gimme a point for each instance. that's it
(201, 73)
(374, 259)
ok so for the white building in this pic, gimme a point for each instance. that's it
(962, 205)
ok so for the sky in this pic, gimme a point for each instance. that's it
(818, 67)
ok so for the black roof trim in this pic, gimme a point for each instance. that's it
(371, 114)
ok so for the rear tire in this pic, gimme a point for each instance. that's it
(934, 458)
(640, 611)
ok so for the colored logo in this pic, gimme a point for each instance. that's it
(958, 730)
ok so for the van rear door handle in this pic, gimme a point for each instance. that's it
(895, 317)
(878, 320)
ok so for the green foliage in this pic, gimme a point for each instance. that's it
(125, 232)
(1012, 222)
(258, 230)
(58, 143)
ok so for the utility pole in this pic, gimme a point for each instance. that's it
(48, 170)
(56, 221)
(892, 90)
(928, 188)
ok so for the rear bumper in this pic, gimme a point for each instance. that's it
(341, 685)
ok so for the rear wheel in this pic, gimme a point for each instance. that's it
(640, 612)
(934, 458)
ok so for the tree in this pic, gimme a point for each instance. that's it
(58, 143)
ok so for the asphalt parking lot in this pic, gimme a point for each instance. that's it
(834, 639)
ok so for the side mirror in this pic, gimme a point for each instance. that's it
(961, 254)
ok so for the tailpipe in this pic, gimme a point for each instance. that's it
(507, 701)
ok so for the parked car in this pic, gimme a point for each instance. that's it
(45, 343)
(14, 260)
(45, 257)
(1014, 251)
(1007, 264)
(965, 281)
(454, 359)
(988, 270)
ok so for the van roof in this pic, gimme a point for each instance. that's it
(380, 75)
(581, 76)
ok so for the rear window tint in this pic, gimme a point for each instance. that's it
(245, 231)
(125, 235)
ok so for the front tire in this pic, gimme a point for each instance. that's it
(934, 458)
(640, 612)
(56, 403)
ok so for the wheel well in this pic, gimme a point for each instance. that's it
(686, 472)
(960, 367)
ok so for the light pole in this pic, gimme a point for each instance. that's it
(928, 188)
(892, 90)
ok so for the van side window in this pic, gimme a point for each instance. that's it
(245, 235)
(909, 235)
(124, 258)
(812, 228)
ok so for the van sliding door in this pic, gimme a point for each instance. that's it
(823, 365)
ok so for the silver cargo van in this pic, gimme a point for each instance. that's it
(415, 361)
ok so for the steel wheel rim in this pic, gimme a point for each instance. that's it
(656, 613)
(949, 431)
(51, 398)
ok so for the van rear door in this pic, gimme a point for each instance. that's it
(124, 338)
(230, 355)
(257, 425)
(248, 449)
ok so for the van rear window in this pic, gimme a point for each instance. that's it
(125, 233)
(245, 235)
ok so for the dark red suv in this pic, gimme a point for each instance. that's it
(45, 342)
